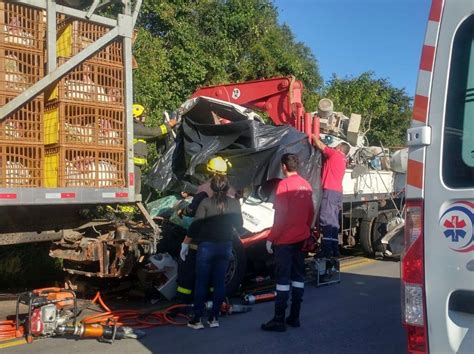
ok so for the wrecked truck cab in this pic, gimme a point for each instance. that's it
(211, 127)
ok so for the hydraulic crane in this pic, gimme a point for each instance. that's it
(280, 98)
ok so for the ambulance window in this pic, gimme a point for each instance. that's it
(458, 149)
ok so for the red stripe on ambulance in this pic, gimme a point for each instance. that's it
(415, 174)
(436, 10)
(427, 58)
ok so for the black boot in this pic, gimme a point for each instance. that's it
(293, 319)
(274, 326)
(293, 322)
(277, 323)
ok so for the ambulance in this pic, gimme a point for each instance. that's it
(437, 268)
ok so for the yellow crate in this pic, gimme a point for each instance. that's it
(64, 42)
(51, 126)
(51, 168)
(75, 35)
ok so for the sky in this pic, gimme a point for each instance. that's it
(349, 37)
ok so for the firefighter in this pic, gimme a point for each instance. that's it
(215, 166)
(143, 135)
(187, 261)
(294, 213)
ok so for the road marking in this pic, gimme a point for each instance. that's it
(12, 343)
(356, 263)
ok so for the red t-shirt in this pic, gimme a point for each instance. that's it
(333, 169)
(294, 211)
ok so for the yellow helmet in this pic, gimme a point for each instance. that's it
(137, 110)
(218, 165)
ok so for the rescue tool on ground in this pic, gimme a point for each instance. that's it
(53, 312)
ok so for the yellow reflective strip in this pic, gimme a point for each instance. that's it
(184, 290)
(135, 141)
(164, 129)
(139, 161)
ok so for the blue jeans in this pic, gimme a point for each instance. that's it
(212, 262)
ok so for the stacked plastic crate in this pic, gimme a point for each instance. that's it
(21, 65)
(84, 114)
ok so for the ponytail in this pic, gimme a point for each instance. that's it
(220, 187)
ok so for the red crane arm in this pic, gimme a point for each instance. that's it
(280, 98)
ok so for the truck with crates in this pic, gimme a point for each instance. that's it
(66, 143)
(66, 132)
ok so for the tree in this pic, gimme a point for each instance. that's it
(185, 44)
(385, 110)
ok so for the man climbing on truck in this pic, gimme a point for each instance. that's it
(334, 167)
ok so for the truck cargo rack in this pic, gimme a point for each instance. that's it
(120, 29)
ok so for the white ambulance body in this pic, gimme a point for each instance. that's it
(438, 262)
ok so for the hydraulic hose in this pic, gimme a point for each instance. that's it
(134, 318)
(129, 318)
(8, 330)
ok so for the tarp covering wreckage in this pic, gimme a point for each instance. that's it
(210, 128)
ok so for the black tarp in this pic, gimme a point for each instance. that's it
(253, 148)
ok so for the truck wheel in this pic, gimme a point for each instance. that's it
(371, 232)
(236, 271)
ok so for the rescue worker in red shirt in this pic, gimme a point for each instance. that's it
(294, 213)
(334, 167)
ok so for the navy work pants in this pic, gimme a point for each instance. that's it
(331, 204)
(289, 273)
(187, 276)
(212, 262)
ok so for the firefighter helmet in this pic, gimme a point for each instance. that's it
(138, 110)
(218, 165)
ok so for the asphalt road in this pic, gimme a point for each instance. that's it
(359, 315)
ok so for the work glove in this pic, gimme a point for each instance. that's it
(184, 251)
(269, 245)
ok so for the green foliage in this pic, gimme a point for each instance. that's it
(28, 266)
(385, 110)
(185, 44)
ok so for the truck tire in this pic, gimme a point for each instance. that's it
(371, 232)
(236, 271)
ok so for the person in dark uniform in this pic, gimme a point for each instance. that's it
(143, 135)
(294, 213)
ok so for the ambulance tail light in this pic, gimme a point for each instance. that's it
(413, 279)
